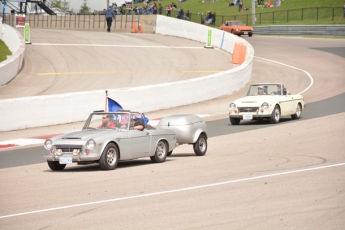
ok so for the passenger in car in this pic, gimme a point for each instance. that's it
(279, 90)
(136, 124)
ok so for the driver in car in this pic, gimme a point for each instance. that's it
(261, 90)
(106, 122)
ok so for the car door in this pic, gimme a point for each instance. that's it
(139, 143)
(287, 105)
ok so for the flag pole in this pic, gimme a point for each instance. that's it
(106, 101)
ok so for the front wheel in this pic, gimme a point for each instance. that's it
(298, 113)
(275, 116)
(56, 166)
(200, 146)
(235, 121)
(109, 158)
(161, 152)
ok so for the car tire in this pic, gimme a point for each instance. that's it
(56, 166)
(109, 158)
(298, 113)
(169, 153)
(233, 32)
(161, 152)
(235, 121)
(200, 146)
(250, 35)
(275, 116)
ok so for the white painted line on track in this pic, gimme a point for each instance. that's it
(172, 191)
(120, 46)
(308, 74)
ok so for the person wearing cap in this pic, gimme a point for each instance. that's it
(109, 15)
(261, 90)
(135, 124)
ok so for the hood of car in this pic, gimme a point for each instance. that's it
(244, 27)
(85, 135)
(251, 101)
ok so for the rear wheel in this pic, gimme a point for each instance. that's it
(56, 166)
(250, 35)
(298, 113)
(109, 158)
(233, 32)
(161, 152)
(235, 121)
(200, 146)
(275, 116)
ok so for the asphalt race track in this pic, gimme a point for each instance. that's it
(254, 176)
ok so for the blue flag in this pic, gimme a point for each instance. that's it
(113, 105)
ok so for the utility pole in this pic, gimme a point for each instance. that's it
(253, 12)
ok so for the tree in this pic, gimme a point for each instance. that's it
(84, 9)
(56, 4)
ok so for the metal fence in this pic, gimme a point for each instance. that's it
(84, 22)
(314, 15)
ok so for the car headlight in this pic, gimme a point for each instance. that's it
(232, 106)
(48, 144)
(90, 144)
(264, 105)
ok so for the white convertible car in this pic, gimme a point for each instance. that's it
(266, 101)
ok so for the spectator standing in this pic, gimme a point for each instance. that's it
(154, 8)
(187, 15)
(109, 15)
(344, 10)
(168, 9)
(160, 9)
(240, 7)
(214, 18)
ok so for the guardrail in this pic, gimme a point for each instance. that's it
(321, 30)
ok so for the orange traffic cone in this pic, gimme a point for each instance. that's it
(134, 30)
(140, 30)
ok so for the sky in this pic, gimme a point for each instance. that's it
(76, 4)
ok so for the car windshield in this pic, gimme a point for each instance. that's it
(264, 89)
(107, 121)
(237, 23)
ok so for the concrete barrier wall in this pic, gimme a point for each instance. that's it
(21, 113)
(15, 42)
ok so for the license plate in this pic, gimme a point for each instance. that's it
(245, 32)
(247, 117)
(65, 160)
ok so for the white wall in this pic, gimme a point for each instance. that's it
(15, 42)
(21, 113)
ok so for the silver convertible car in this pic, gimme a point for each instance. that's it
(266, 101)
(109, 137)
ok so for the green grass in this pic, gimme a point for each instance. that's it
(289, 13)
(4, 51)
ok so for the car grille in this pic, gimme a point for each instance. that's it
(69, 149)
(248, 109)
